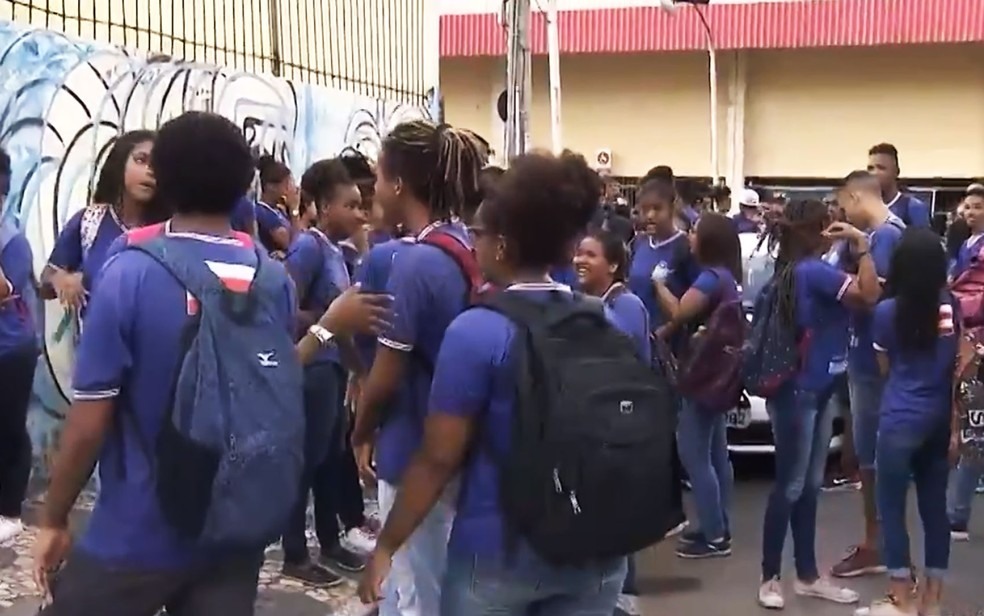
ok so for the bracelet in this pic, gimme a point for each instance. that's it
(323, 335)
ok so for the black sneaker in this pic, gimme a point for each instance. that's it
(704, 549)
(958, 532)
(695, 536)
(339, 557)
(312, 575)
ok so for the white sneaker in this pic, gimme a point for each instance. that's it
(883, 607)
(627, 605)
(770, 595)
(9, 529)
(360, 540)
(676, 530)
(823, 588)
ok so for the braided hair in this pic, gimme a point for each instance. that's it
(794, 236)
(439, 164)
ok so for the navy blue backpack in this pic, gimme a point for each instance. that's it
(230, 453)
(770, 356)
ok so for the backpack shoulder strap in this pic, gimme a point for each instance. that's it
(92, 217)
(462, 255)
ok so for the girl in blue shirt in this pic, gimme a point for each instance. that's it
(600, 266)
(915, 336)
(813, 299)
(701, 436)
(278, 197)
(541, 205)
(123, 199)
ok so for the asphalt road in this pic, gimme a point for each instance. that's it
(673, 587)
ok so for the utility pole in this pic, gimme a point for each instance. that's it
(517, 19)
(553, 56)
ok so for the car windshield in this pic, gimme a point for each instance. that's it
(757, 265)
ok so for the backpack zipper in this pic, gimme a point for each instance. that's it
(571, 496)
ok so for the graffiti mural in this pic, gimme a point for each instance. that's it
(62, 103)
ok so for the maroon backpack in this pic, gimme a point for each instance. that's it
(710, 370)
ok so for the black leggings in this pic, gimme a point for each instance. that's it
(16, 382)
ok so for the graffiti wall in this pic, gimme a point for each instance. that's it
(63, 101)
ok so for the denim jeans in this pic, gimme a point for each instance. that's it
(802, 424)
(528, 586)
(866, 395)
(413, 586)
(703, 444)
(963, 487)
(629, 586)
(921, 454)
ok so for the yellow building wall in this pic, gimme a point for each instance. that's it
(377, 48)
(808, 113)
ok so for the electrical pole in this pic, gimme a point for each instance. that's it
(553, 56)
(518, 76)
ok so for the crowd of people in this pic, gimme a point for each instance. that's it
(505, 358)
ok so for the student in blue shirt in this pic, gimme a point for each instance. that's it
(18, 359)
(660, 248)
(916, 337)
(600, 263)
(701, 435)
(540, 206)
(427, 175)
(124, 198)
(244, 216)
(972, 209)
(860, 200)
(957, 234)
(883, 163)
(814, 297)
(129, 560)
(277, 195)
(317, 266)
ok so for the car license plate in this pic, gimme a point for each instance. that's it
(739, 418)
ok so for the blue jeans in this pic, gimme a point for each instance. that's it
(920, 454)
(866, 395)
(802, 424)
(629, 586)
(703, 443)
(962, 491)
(528, 586)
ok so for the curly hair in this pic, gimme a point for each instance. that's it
(322, 179)
(541, 204)
(439, 164)
(202, 163)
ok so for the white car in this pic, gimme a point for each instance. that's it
(749, 430)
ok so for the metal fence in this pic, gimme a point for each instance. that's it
(376, 48)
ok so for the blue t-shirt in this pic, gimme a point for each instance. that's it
(318, 269)
(379, 236)
(473, 378)
(130, 352)
(17, 327)
(910, 210)
(67, 253)
(632, 317)
(822, 317)
(919, 387)
(429, 291)
(244, 215)
(718, 285)
(671, 254)
(564, 274)
(268, 220)
(882, 241)
(373, 275)
(968, 251)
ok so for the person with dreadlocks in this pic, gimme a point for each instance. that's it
(427, 175)
(813, 299)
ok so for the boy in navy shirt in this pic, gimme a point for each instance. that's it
(277, 192)
(861, 201)
(972, 210)
(18, 359)
(129, 560)
(883, 163)
(427, 175)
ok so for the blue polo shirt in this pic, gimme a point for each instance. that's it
(969, 251)
(910, 210)
(373, 275)
(268, 220)
(671, 254)
(68, 254)
(130, 352)
(823, 319)
(429, 290)
(473, 378)
(17, 326)
(632, 317)
(244, 216)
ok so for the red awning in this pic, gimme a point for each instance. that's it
(757, 25)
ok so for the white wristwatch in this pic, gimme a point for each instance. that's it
(323, 335)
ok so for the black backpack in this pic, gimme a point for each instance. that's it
(589, 474)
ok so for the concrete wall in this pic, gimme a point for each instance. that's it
(62, 100)
(807, 113)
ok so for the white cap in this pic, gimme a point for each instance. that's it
(748, 198)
